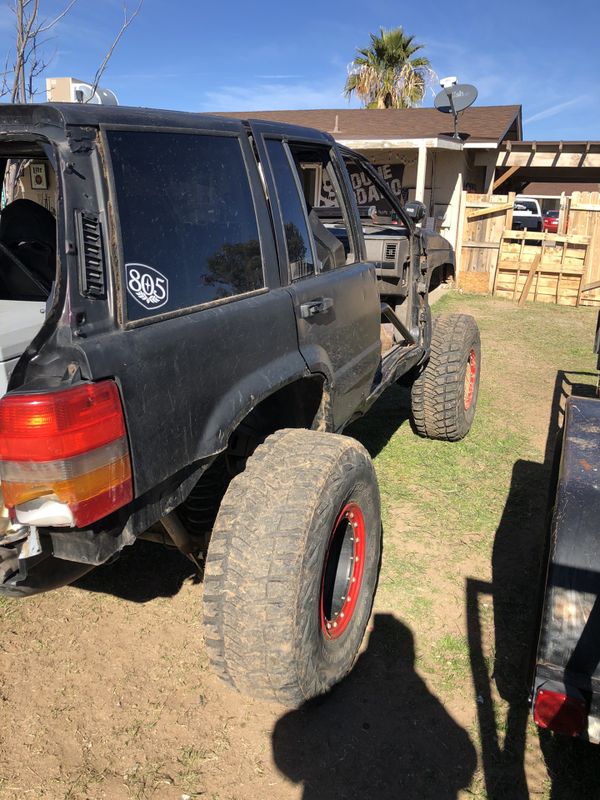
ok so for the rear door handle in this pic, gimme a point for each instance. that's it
(317, 306)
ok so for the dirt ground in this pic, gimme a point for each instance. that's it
(105, 690)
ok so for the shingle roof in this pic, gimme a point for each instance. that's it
(480, 123)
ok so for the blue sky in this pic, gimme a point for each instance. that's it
(201, 56)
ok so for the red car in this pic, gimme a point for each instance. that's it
(551, 221)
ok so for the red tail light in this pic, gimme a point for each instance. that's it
(69, 446)
(560, 713)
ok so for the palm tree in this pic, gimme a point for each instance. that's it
(386, 75)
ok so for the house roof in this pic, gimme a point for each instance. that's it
(479, 123)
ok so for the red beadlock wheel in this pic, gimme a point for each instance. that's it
(470, 378)
(343, 570)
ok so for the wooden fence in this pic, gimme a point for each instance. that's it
(551, 268)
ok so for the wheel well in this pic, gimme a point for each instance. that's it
(301, 404)
(440, 275)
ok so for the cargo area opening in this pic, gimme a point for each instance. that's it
(28, 248)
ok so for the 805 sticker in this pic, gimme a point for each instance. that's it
(147, 286)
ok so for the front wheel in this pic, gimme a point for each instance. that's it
(292, 566)
(444, 396)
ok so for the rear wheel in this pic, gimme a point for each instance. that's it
(444, 396)
(292, 566)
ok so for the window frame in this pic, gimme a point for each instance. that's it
(114, 221)
(281, 224)
(339, 185)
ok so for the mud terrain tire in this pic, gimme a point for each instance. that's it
(296, 530)
(444, 396)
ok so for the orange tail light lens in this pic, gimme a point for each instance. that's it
(69, 446)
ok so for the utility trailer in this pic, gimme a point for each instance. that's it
(566, 681)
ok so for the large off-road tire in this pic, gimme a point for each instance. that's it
(444, 396)
(292, 566)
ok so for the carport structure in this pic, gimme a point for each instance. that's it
(520, 163)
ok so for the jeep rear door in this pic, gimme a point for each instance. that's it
(334, 290)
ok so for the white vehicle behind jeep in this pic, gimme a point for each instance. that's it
(20, 320)
(527, 214)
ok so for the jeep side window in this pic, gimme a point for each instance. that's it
(328, 214)
(187, 220)
(297, 237)
(373, 193)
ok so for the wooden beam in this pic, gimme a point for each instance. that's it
(504, 177)
(529, 279)
(483, 245)
(585, 207)
(483, 212)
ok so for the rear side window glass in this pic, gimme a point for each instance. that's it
(297, 238)
(187, 219)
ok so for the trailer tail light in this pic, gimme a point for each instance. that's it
(560, 712)
(68, 448)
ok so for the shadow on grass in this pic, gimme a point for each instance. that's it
(376, 428)
(518, 570)
(379, 735)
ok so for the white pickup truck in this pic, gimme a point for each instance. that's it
(527, 214)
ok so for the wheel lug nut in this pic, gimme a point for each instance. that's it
(328, 625)
(335, 624)
(341, 613)
(353, 581)
(355, 524)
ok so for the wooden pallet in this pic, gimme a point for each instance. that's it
(543, 267)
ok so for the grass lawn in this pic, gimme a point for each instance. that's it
(464, 530)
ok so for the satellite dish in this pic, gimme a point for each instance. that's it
(453, 99)
(82, 92)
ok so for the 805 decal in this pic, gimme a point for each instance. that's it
(147, 286)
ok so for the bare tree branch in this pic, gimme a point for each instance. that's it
(46, 26)
(127, 20)
(29, 59)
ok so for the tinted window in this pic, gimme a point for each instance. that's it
(187, 219)
(294, 221)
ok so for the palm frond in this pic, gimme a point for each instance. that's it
(386, 75)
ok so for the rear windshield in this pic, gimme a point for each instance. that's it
(526, 205)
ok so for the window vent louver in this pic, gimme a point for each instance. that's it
(390, 251)
(91, 255)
